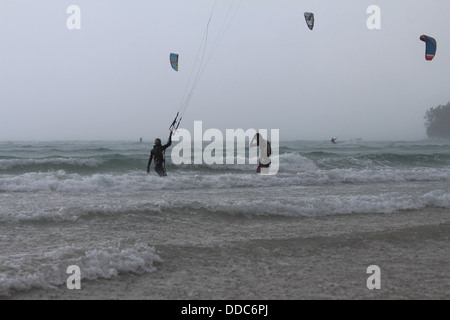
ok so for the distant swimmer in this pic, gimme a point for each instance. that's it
(265, 151)
(158, 153)
(140, 139)
(333, 140)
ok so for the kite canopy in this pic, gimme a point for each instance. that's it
(174, 61)
(309, 18)
(430, 47)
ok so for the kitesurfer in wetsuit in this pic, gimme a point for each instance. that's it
(264, 151)
(158, 154)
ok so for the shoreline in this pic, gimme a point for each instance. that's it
(412, 256)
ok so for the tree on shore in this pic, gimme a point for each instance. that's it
(437, 122)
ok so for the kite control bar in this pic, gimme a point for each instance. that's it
(176, 123)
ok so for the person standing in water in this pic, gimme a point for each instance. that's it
(265, 151)
(157, 153)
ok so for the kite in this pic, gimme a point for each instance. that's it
(430, 48)
(309, 17)
(174, 61)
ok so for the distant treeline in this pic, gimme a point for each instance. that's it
(437, 122)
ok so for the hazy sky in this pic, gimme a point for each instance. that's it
(111, 79)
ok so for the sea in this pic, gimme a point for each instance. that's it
(359, 219)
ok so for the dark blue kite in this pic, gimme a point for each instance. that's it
(430, 47)
(174, 61)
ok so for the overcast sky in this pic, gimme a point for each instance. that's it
(111, 79)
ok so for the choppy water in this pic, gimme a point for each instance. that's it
(91, 204)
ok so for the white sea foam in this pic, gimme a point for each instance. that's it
(293, 202)
(60, 181)
(20, 271)
(322, 205)
(6, 164)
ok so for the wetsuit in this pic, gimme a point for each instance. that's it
(158, 153)
(264, 160)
